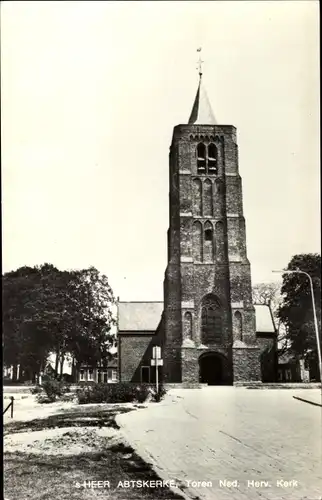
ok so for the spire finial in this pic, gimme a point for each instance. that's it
(201, 113)
(199, 68)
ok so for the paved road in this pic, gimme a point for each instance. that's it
(267, 444)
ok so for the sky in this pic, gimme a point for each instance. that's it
(91, 92)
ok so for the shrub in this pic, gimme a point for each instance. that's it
(54, 388)
(114, 393)
(158, 396)
(36, 390)
(68, 378)
(68, 397)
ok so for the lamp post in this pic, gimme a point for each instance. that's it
(298, 271)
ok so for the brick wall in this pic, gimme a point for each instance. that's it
(219, 267)
(227, 271)
(172, 364)
(135, 350)
(246, 364)
(268, 358)
(191, 363)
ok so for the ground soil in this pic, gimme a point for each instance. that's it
(53, 451)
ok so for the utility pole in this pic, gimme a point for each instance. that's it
(156, 361)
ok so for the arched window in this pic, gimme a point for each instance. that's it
(187, 327)
(211, 320)
(208, 231)
(201, 158)
(207, 198)
(197, 196)
(208, 242)
(197, 241)
(238, 326)
(220, 241)
(212, 159)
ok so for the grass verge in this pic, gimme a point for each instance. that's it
(48, 476)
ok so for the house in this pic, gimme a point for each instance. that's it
(292, 369)
(89, 373)
(266, 335)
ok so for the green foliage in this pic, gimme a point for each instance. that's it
(36, 390)
(54, 389)
(27, 307)
(114, 393)
(92, 299)
(46, 310)
(296, 310)
(267, 294)
(158, 396)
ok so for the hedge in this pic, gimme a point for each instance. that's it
(122, 392)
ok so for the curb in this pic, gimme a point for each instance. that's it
(307, 401)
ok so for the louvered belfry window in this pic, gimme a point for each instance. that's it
(207, 159)
(212, 159)
(201, 158)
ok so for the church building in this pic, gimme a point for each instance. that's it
(207, 326)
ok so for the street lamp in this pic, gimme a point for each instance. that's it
(314, 314)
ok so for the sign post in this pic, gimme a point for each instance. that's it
(156, 361)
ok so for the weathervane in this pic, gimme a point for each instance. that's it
(199, 68)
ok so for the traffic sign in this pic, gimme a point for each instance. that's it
(156, 362)
(156, 352)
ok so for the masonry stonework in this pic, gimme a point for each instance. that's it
(207, 260)
(208, 327)
(135, 352)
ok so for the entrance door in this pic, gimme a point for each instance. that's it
(211, 369)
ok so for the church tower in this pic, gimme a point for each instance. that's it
(209, 317)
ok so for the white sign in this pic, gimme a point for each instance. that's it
(156, 352)
(156, 362)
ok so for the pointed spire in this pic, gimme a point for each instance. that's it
(201, 113)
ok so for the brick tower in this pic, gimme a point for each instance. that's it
(209, 317)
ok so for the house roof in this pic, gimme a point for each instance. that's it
(145, 317)
(264, 320)
(112, 363)
(139, 316)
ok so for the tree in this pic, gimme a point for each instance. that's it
(93, 298)
(270, 294)
(296, 311)
(27, 316)
(46, 310)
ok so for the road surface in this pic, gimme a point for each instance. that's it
(220, 443)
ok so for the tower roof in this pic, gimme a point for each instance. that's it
(201, 113)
